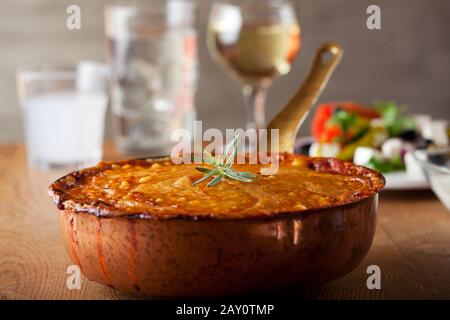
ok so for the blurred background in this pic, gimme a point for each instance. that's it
(406, 61)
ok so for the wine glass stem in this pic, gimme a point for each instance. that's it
(255, 102)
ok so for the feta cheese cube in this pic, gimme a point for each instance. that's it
(392, 148)
(364, 154)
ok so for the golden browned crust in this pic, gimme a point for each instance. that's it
(159, 189)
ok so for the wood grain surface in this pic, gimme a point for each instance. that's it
(411, 246)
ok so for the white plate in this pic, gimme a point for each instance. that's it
(394, 181)
(402, 181)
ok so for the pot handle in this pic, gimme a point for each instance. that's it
(291, 117)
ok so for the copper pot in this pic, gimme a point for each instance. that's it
(211, 257)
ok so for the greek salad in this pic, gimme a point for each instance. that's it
(380, 136)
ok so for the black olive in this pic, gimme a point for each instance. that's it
(439, 159)
(303, 149)
(409, 135)
(423, 143)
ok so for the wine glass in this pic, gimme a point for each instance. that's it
(256, 41)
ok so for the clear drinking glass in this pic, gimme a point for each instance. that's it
(256, 41)
(153, 55)
(64, 110)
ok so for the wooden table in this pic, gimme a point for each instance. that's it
(411, 246)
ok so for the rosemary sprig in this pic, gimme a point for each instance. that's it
(222, 166)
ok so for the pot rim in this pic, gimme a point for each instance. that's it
(146, 216)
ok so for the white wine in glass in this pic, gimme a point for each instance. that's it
(255, 41)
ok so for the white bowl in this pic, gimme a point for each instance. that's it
(436, 165)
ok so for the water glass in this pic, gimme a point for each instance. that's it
(63, 114)
(153, 57)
